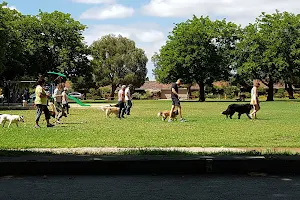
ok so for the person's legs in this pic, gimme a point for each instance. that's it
(123, 109)
(38, 115)
(47, 115)
(121, 105)
(180, 111)
(59, 111)
(255, 109)
(67, 104)
(172, 110)
(128, 106)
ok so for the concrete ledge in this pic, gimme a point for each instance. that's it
(109, 165)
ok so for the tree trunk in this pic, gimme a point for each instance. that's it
(291, 91)
(271, 90)
(112, 93)
(201, 92)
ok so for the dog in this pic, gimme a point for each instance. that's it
(11, 119)
(109, 110)
(239, 108)
(166, 113)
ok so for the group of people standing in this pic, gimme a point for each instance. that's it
(124, 101)
(59, 98)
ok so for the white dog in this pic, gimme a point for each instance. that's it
(11, 119)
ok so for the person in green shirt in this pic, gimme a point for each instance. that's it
(41, 103)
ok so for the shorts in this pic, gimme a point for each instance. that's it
(175, 102)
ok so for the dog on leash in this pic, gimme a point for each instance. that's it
(239, 108)
(166, 113)
(11, 119)
(109, 110)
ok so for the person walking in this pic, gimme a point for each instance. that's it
(175, 100)
(65, 103)
(254, 99)
(128, 99)
(41, 103)
(57, 95)
(121, 102)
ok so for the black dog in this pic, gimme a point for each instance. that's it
(240, 108)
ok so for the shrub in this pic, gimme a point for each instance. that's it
(136, 95)
(94, 94)
(247, 94)
(281, 93)
(262, 91)
(147, 95)
(231, 91)
(212, 96)
(195, 94)
(104, 91)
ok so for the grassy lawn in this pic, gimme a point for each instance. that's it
(278, 126)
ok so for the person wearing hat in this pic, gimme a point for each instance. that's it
(175, 100)
(128, 99)
(121, 102)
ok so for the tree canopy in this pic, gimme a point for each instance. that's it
(117, 61)
(33, 45)
(269, 49)
(199, 50)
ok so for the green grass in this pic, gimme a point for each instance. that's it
(266, 153)
(278, 126)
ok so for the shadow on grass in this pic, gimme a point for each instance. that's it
(145, 152)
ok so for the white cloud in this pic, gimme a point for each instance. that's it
(114, 11)
(140, 34)
(10, 7)
(147, 36)
(94, 1)
(242, 12)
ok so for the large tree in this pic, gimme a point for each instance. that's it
(198, 50)
(33, 45)
(55, 42)
(117, 61)
(269, 49)
(11, 55)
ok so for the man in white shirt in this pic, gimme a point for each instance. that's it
(121, 102)
(128, 99)
(65, 103)
(57, 95)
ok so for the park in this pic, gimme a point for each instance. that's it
(277, 126)
(200, 51)
(69, 68)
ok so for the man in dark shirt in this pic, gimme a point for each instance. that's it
(175, 100)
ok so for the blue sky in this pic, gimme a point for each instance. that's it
(148, 22)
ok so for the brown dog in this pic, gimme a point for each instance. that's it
(109, 110)
(166, 113)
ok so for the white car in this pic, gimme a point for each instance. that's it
(76, 94)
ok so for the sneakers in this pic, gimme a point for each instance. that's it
(183, 120)
(170, 120)
(37, 126)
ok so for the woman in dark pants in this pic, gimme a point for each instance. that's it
(41, 103)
